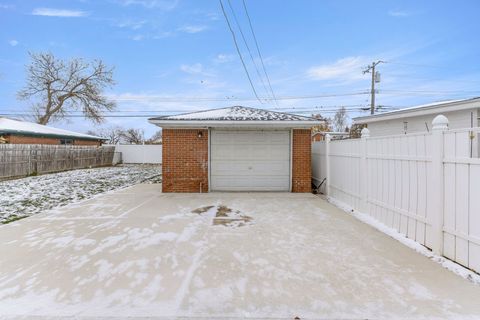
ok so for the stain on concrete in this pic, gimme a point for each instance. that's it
(225, 216)
(202, 209)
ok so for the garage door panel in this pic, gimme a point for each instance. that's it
(237, 183)
(252, 152)
(250, 160)
(249, 137)
(245, 168)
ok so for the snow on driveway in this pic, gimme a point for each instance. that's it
(137, 252)
(24, 197)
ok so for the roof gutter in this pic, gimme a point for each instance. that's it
(235, 124)
(49, 135)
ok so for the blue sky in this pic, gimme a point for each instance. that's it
(165, 51)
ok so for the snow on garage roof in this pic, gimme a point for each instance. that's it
(234, 115)
(13, 126)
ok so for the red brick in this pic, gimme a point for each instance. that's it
(18, 139)
(302, 161)
(185, 160)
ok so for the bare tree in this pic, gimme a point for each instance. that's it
(113, 134)
(340, 120)
(133, 136)
(356, 130)
(156, 138)
(58, 87)
(325, 127)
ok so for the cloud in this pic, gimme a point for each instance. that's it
(5, 6)
(346, 69)
(131, 24)
(13, 42)
(52, 12)
(166, 5)
(223, 58)
(399, 13)
(196, 68)
(193, 28)
(138, 37)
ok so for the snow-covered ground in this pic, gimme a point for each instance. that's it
(136, 253)
(24, 197)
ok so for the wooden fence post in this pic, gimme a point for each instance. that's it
(436, 182)
(328, 138)
(363, 171)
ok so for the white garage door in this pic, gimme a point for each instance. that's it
(249, 160)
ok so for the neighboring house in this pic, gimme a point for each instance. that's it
(460, 114)
(23, 132)
(318, 136)
(236, 149)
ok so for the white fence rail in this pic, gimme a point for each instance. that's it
(424, 185)
(139, 153)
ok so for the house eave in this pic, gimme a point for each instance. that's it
(234, 124)
(421, 111)
(48, 135)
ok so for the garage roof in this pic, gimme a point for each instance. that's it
(236, 116)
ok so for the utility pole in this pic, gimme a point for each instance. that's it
(371, 69)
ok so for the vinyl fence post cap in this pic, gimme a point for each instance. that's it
(440, 122)
(365, 133)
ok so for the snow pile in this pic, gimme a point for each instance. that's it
(24, 197)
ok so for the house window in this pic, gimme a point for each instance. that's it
(66, 141)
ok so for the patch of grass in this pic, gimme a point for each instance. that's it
(12, 218)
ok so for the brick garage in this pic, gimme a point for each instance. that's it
(185, 160)
(236, 149)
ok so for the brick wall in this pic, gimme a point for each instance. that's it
(87, 143)
(185, 160)
(301, 161)
(16, 139)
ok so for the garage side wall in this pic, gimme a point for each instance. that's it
(185, 160)
(301, 161)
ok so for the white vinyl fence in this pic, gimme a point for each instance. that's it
(424, 185)
(138, 153)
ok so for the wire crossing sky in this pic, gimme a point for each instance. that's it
(304, 56)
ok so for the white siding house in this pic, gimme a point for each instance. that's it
(460, 113)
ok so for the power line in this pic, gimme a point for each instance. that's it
(238, 51)
(258, 50)
(155, 113)
(413, 64)
(213, 99)
(247, 46)
(431, 91)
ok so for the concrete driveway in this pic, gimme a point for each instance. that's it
(140, 253)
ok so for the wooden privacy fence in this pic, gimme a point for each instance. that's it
(424, 185)
(18, 160)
